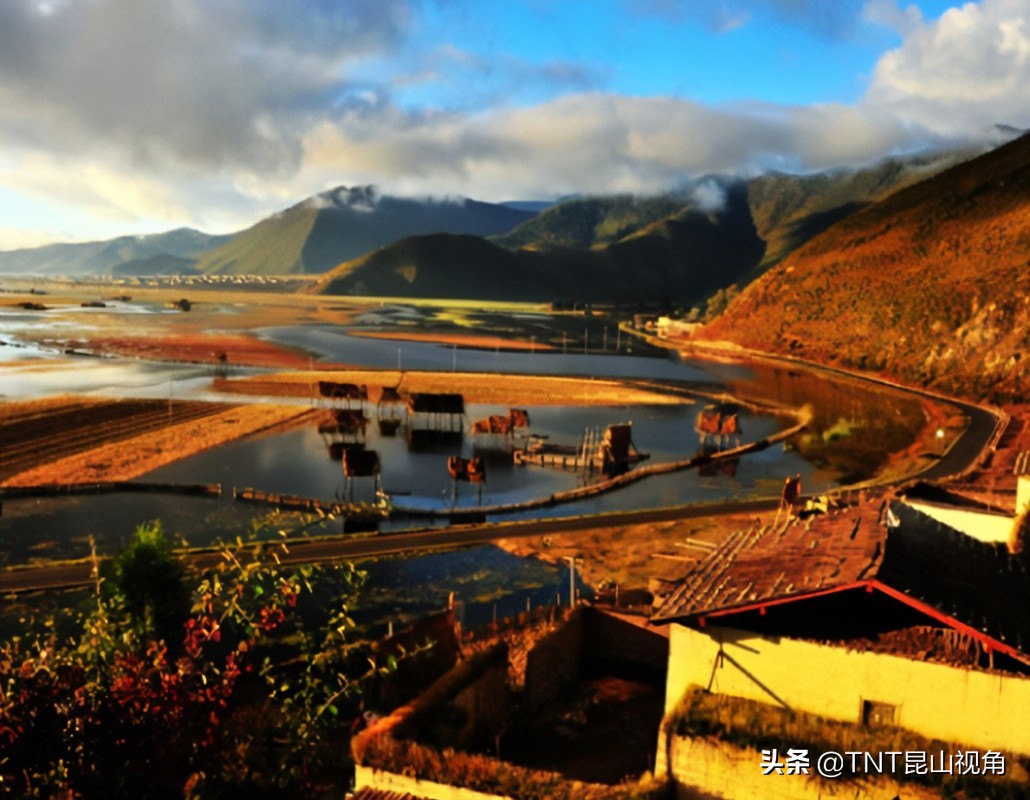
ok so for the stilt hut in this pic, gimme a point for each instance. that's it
(360, 463)
(389, 410)
(435, 418)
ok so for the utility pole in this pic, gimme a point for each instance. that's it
(572, 580)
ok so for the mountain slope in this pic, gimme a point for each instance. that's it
(931, 284)
(791, 209)
(335, 226)
(592, 222)
(685, 256)
(102, 258)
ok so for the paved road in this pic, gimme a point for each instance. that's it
(71, 575)
(963, 454)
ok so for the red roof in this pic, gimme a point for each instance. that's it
(973, 587)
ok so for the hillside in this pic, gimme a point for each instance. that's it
(931, 285)
(103, 258)
(685, 257)
(335, 226)
(680, 247)
(592, 222)
(791, 209)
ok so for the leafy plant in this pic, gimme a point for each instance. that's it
(252, 688)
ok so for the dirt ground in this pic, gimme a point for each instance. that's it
(629, 556)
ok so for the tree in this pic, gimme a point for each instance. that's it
(152, 581)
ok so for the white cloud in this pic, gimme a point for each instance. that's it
(150, 114)
(889, 14)
(962, 73)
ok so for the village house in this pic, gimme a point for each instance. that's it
(876, 615)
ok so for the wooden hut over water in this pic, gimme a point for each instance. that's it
(442, 412)
(390, 410)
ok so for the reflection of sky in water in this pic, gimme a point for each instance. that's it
(113, 377)
(297, 462)
(485, 580)
(333, 344)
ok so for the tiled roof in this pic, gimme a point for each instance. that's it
(794, 558)
(967, 584)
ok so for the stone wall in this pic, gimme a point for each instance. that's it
(553, 663)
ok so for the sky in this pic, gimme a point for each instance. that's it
(125, 117)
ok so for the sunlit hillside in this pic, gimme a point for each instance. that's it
(931, 284)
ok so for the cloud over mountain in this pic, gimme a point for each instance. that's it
(213, 113)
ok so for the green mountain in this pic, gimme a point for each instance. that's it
(601, 250)
(322, 231)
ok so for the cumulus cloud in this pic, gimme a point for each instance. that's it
(213, 113)
(962, 73)
(191, 83)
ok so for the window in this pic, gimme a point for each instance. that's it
(877, 715)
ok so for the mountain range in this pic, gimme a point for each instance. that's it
(308, 238)
(677, 248)
(344, 223)
(572, 249)
(185, 245)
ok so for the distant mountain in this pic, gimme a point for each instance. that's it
(336, 226)
(931, 284)
(102, 258)
(586, 223)
(533, 206)
(591, 250)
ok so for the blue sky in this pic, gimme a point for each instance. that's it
(137, 116)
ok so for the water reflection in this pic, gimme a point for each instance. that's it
(304, 462)
(854, 427)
